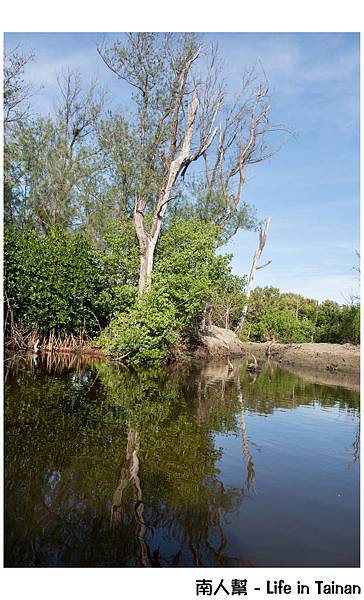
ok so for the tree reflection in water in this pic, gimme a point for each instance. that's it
(109, 467)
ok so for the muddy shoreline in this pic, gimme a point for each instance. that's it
(217, 342)
(334, 358)
(330, 364)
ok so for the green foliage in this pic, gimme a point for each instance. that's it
(284, 317)
(145, 333)
(289, 318)
(186, 265)
(119, 257)
(337, 324)
(282, 326)
(60, 282)
(54, 282)
(55, 170)
(212, 206)
(227, 299)
(187, 274)
(49, 182)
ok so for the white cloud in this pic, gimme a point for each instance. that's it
(287, 58)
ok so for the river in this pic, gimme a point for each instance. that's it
(194, 466)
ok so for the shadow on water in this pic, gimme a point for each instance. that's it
(200, 466)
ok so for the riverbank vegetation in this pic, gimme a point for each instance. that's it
(112, 234)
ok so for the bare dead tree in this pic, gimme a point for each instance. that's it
(243, 140)
(263, 234)
(243, 124)
(181, 116)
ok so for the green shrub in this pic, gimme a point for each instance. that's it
(281, 326)
(186, 274)
(291, 318)
(119, 259)
(54, 282)
(338, 324)
(145, 333)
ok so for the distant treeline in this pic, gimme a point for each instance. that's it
(289, 318)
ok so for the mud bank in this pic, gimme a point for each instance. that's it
(327, 364)
(332, 358)
(217, 343)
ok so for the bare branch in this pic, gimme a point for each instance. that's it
(104, 55)
(263, 234)
(16, 91)
(265, 265)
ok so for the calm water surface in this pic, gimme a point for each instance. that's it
(188, 467)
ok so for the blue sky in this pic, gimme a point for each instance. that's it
(310, 189)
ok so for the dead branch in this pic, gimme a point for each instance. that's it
(263, 234)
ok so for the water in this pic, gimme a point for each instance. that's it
(190, 467)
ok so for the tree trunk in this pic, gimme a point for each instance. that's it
(263, 233)
(146, 265)
(178, 164)
(146, 250)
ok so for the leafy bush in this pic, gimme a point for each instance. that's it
(54, 282)
(62, 282)
(338, 324)
(145, 333)
(283, 327)
(290, 318)
(187, 273)
(119, 257)
(186, 267)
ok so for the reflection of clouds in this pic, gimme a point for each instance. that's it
(52, 478)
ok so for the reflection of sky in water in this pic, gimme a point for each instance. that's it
(107, 467)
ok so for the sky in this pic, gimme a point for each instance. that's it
(310, 188)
